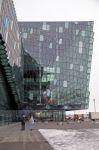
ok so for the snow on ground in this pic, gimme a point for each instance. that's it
(83, 139)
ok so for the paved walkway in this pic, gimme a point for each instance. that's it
(12, 138)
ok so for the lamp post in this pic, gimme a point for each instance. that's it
(40, 67)
(57, 64)
(40, 86)
(94, 105)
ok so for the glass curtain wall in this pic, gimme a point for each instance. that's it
(64, 51)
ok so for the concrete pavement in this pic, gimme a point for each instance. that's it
(12, 138)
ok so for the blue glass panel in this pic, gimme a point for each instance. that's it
(6, 22)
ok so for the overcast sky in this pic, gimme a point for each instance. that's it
(67, 10)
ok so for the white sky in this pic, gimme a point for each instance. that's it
(67, 10)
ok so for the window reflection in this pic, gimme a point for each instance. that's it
(41, 37)
(25, 35)
(63, 66)
(60, 30)
(66, 25)
(60, 41)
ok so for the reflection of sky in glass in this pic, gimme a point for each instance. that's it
(6, 22)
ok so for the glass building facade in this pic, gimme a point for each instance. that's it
(63, 51)
(10, 56)
(10, 31)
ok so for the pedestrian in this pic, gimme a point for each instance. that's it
(23, 122)
(31, 122)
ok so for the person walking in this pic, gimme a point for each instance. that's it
(31, 122)
(23, 122)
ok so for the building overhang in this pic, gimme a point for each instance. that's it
(7, 70)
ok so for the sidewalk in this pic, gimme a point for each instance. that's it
(12, 138)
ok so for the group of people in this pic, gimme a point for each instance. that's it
(30, 122)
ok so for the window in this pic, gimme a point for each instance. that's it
(18, 35)
(26, 50)
(64, 83)
(6, 22)
(8, 54)
(41, 38)
(91, 40)
(89, 23)
(14, 44)
(77, 31)
(18, 45)
(52, 69)
(6, 36)
(45, 26)
(89, 64)
(71, 66)
(12, 63)
(91, 34)
(25, 35)
(31, 30)
(66, 25)
(23, 29)
(11, 24)
(90, 58)
(83, 33)
(81, 68)
(45, 68)
(88, 76)
(48, 27)
(76, 22)
(80, 50)
(49, 69)
(44, 79)
(60, 41)
(55, 81)
(89, 69)
(50, 77)
(17, 61)
(80, 46)
(60, 30)
(57, 70)
(56, 30)
(91, 46)
(50, 46)
(57, 58)
(90, 52)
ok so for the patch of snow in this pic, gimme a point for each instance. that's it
(85, 139)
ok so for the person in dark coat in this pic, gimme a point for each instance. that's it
(23, 123)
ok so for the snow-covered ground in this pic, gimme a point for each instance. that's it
(83, 139)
